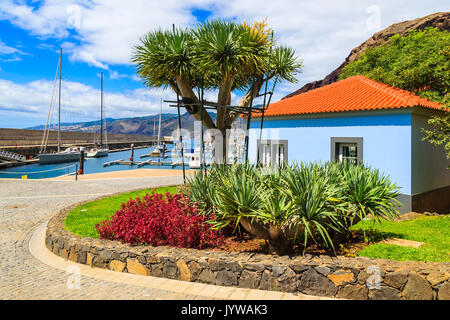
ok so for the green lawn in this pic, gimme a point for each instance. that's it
(82, 220)
(433, 231)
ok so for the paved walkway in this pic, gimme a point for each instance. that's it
(26, 206)
(134, 173)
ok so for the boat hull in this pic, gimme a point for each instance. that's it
(58, 158)
(98, 153)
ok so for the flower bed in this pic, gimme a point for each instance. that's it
(342, 277)
(293, 209)
(157, 220)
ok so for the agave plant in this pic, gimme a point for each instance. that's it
(237, 195)
(271, 221)
(201, 191)
(314, 201)
(301, 202)
(368, 192)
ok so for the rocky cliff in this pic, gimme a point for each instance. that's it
(440, 20)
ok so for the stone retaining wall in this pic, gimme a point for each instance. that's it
(341, 277)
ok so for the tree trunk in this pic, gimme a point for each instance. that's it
(246, 99)
(222, 99)
(256, 229)
(225, 117)
(186, 91)
(278, 242)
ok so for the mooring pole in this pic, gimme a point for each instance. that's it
(82, 160)
(132, 153)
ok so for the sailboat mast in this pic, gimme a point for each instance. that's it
(59, 102)
(101, 112)
(154, 130)
(159, 129)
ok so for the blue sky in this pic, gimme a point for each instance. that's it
(98, 36)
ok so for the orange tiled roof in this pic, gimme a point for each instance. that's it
(352, 94)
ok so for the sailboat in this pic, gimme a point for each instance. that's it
(158, 150)
(99, 151)
(68, 155)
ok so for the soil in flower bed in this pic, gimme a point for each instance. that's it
(248, 243)
(364, 241)
(244, 243)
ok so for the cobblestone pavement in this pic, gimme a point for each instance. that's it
(26, 204)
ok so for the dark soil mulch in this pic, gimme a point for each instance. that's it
(248, 243)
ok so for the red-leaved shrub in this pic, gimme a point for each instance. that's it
(158, 220)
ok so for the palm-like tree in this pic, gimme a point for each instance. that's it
(219, 55)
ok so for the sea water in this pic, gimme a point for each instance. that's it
(91, 165)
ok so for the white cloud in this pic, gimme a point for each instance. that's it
(10, 54)
(322, 32)
(102, 33)
(4, 49)
(107, 29)
(79, 102)
(47, 21)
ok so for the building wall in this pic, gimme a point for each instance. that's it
(430, 177)
(429, 162)
(386, 140)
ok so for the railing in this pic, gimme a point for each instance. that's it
(71, 170)
(8, 155)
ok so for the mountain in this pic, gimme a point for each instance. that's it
(440, 20)
(136, 125)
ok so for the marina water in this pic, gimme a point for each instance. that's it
(91, 165)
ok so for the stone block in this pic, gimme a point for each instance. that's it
(249, 279)
(207, 276)
(341, 276)
(444, 292)
(170, 270)
(395, 279)
(135, 267)
(417, 288)
(385, 293)
(226, 278)
(313, 283)
(185, 274)
(116, 265)
(353, 292)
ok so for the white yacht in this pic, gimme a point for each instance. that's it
(68, 155)
(97, 152)
(158, 149)
(101, 151)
